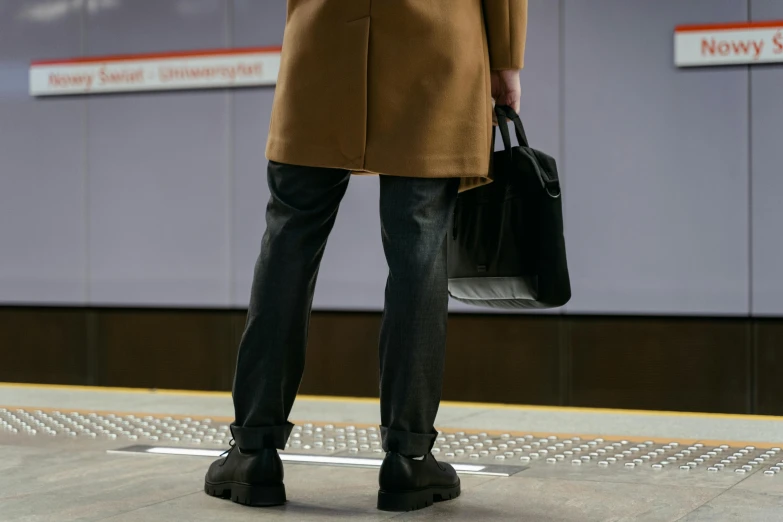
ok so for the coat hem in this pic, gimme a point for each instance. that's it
(285, 151)
(417, 168)
(467, 181)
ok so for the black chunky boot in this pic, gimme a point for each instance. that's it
(253, 479)
(408, 484)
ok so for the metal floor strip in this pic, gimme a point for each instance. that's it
(303, 458)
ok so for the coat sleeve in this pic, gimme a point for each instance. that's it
(506, 32)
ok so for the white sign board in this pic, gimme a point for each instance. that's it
(156, 72)
(728, 44)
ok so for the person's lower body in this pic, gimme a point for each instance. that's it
(415, 217)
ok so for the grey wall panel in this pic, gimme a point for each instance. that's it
(656, 163)
(256, 24)
(144, 26)
(38, 30)
(42, 233)
(767, 175)
(158, 167)
(252, 109)
(541, 111)
(353, 270)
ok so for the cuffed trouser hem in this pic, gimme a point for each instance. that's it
(407, 443)
(256, 438)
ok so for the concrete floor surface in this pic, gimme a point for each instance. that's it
(51, 479)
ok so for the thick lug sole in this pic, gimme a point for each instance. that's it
(415, 499)
(258, 496)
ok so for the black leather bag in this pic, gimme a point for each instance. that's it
(506, 248)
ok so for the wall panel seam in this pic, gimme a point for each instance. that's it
(85, 162)
(561, 107)
(564, 329)
(752, 370)
(231, 164)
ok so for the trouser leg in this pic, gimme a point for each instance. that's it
(415, 217)
(299, 217)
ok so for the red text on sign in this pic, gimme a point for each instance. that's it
(123, 76)
(168, 74)
(777, 42)
(713, 47)
(65, 81)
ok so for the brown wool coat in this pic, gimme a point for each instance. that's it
(394, 87)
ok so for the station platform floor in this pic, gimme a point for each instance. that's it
(78, 453)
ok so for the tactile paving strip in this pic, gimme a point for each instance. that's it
(462, 447)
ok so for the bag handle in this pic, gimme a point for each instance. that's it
(504, 112)
(503, 126)
(551, 186)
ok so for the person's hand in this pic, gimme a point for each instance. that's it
(506, 89)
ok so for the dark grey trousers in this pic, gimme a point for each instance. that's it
(415, 216)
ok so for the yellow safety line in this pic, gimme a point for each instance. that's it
(107, 389)
(493, 433)
(578, 409)
(456, 404)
